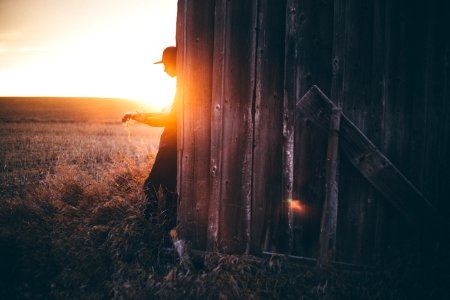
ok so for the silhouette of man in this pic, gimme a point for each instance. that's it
(164, 171)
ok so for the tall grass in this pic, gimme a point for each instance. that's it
(76, 236)
(71, 200)
(29, 151)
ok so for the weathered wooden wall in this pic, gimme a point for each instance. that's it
(244, 151)
(195, 37)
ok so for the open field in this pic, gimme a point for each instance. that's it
(38, 133)
(53, 109)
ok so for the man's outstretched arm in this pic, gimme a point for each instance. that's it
(152, 119)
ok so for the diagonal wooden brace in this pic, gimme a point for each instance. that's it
(374, 166)
(327, 247)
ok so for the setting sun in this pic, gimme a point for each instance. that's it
(87, 48)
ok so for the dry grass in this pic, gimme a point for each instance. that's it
(37, 134)
(29, 151)
(71, 196)
(76, 236)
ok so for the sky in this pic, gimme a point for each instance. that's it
(88, 48)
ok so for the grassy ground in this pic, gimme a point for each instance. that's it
(71, 223)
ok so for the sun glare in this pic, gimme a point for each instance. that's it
(108, 56)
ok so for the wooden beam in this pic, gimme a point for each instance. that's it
(268, 124)
(232, 131)
(194, 87)
(330, 204)
(373, 165)
(308, 261)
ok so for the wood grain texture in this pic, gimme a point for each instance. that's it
(385, 63)
(314, 27)
(373, 165)
(267, 110)
(194, 84)
(233, 85)
(328, 225)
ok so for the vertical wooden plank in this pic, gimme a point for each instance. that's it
(184, 212)
(308, 49)
(314, 42)
(360, 107)
(418, 105)
(313, 47)
(220, 33)
(433, 136)
(329, 209)
(233, 87)
(398, 140)
(385, 211)
(377, 115)
(336, 94)
(195, 42)
(436, 85)
(426, 120)
(444, 133)
(397, 105)
(351, 89)
(282, 233)
(202, 117)
(268, 119)
(181, 54)
(377, 75)
(338, 51)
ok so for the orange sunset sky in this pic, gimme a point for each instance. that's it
(88, 48)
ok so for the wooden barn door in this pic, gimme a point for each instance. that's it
(245, 155)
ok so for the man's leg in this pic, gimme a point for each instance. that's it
(167, 208)
(161, 204)
(151, 203)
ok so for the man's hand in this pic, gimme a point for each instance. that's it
(127, 116)
(152, 119)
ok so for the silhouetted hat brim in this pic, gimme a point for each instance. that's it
(169, 56)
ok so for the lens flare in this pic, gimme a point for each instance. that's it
(295, 205)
